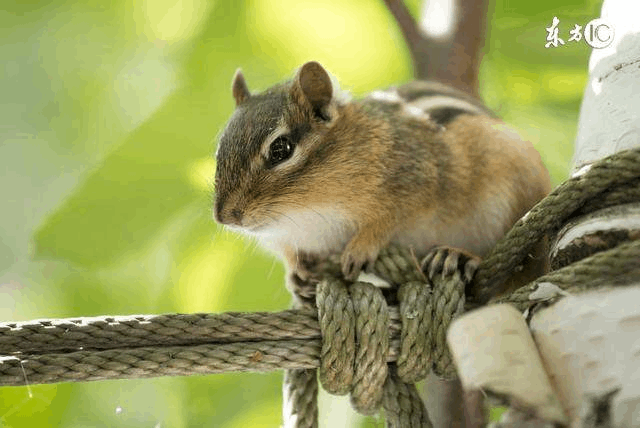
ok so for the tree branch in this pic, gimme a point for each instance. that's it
(453, 60)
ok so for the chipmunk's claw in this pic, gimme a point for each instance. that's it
(303, 289)
(301, 273)
(446, 261)
(301, 265)
(353, 262)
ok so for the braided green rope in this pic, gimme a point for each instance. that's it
(302, 340)
(46, 336)
(403, 407)
(397, 265)
(372, 319)
(337, 323)
(414, 361)
(619, 195)
(618, 169)
(125, 363)
(355, 329)
(614, 267)
(448, 303)
(426, 315)
(300, 399)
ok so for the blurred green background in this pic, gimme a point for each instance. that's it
(109, 113)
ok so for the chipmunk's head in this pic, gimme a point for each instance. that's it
(273, 154)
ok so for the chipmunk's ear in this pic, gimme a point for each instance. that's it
(314, 84)
(239, 87)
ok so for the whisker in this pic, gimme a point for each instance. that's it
(281, 214)
(321, 216)
(252, 247)
(288, 217)
(273, 266)
(24, 373)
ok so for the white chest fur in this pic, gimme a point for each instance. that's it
(312, 230)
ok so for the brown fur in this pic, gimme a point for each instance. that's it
(367, 173)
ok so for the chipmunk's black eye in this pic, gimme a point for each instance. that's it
(280, 149)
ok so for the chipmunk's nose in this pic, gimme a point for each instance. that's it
(227, 216)
(236, 215)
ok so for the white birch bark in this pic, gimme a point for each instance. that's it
(610, 113)
(591, 343)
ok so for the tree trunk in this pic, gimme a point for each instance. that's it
(590, 342)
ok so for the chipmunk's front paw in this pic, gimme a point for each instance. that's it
(303, 288)
(300, 264)
(356, 258)
(446, 261)
(301, 273)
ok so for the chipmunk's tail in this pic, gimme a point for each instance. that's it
(453, 57)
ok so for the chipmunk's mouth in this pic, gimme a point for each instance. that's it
(258, 224)
(257, 228)
(256, 231)
(268, 229)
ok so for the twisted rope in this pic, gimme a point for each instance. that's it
(169, 345)
(415, 309)
(45, 336)
(448, 303)
(402, 404)
(426, 312)
(335, 312)
(300, 399)
(81, 357)
(354, 322)
(609, 268)
(162, 360)
(621, 169)
(353, 334)
(372, 318)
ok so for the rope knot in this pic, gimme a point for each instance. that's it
(354, 322)
(354, 325)
(426, 313)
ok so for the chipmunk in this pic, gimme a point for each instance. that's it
(306, 170)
